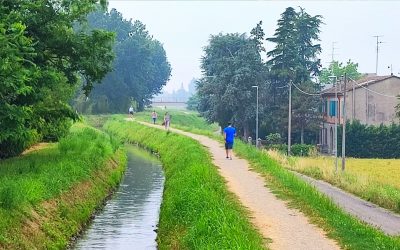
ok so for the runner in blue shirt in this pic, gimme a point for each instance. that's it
(229, 136)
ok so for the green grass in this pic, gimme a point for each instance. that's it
(197, 211)
(189, 121)
(36, 208)
(348, 231)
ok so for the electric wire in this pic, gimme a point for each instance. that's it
(372, 91)
(306, 93)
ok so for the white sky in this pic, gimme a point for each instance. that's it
(184, 28)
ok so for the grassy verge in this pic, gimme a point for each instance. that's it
(185, 120)
(48, 195)
(348, 231)
(375, 180)
(197, 211)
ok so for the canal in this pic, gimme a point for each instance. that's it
(129, 220)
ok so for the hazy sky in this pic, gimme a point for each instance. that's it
(184, 28)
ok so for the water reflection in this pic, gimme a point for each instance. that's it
(129, 219)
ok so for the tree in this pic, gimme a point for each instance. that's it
(43, 60)
(232, 65)
(294, 62)
(140, 69)
(193, 102)
(338, 69)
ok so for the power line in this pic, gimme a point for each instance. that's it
(306, 93)
(370, 90)
(375, 92)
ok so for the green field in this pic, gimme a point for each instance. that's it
(197, 211)
(38, 204)
(375, 180)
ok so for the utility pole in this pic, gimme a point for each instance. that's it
(256, 116)
(290, 117)
(377, 53)
(344, 124)
(336, 121)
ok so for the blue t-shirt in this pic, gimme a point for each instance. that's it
(230, 134)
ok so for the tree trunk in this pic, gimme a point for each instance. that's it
(302, 134)
(246, 131)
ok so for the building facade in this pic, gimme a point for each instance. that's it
(371, 100)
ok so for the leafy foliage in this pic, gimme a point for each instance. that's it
(42, 61)
(193, 102)
(294, 61)
(363, 141)
(140, 69)
(232, 65)
(338, 69)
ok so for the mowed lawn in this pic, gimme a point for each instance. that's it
(375, 180)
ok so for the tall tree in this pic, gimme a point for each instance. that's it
(339, 69)
(43, 60)
(231, 66)
(294, 61)
(140, 69)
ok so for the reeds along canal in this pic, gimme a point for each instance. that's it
(129, 219)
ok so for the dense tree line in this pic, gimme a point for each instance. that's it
(233, 63)
(43, 60)
(140, 68)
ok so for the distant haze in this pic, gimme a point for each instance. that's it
(184, 28)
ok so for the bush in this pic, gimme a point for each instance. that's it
(274, 138)
(302, 149)
(17, 143)
(363, 141)
(295, 149)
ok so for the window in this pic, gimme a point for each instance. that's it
(325, 107)
(332, 108)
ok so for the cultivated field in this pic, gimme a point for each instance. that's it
(376, 180)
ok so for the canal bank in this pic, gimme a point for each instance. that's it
(49, 195)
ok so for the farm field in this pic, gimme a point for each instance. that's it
(375, 180)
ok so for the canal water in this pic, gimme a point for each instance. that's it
(130, 218)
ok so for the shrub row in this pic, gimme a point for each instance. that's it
(364, 141)
(295, 149)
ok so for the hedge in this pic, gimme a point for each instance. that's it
(363, 141)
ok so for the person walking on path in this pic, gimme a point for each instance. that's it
(167, 120)
(229, 136)
(131, 111)
(154, 116)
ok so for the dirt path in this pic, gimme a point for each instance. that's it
(387, 221)
(287, 228)
(36, 147)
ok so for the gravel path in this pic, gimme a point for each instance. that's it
(366, 211)
(287, 228)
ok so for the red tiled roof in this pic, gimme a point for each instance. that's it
(368, 80)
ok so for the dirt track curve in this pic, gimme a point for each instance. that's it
(286, 227)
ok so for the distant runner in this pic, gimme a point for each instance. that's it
(229, 136)
(154, 116)
(167, 120)
(131, 111)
